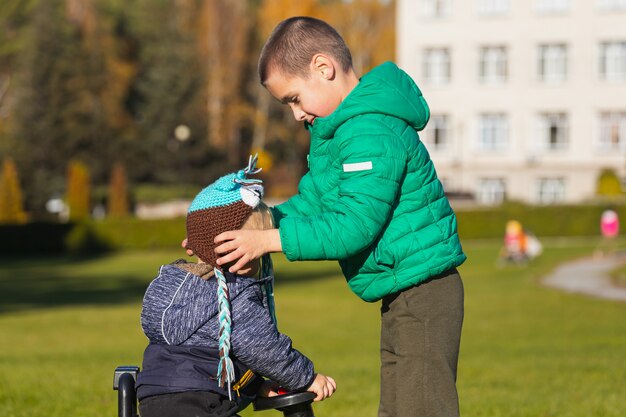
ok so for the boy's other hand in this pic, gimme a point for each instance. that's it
(243, 246)
(324, 386)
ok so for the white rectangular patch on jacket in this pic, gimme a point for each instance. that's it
(357, 166)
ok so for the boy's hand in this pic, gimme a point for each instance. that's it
(243, 246)
(324, 386)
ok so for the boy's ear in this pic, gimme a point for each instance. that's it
(322, 65)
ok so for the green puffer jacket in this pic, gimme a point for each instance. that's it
(371, 198)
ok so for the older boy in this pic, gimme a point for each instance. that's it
(371, 199)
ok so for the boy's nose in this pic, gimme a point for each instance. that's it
(298, 114)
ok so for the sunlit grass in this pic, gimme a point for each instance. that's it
(526, 350)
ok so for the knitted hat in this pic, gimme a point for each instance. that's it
(222, 206)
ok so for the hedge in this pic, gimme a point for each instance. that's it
(90, 237)
(34, 238)
(546, 221)
(132, 233)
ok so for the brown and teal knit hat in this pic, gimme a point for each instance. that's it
(222, 206)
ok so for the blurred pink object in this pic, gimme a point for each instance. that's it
(609, 223)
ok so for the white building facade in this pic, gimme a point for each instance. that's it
(527, 97)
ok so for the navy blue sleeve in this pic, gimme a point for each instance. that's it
(257, 343)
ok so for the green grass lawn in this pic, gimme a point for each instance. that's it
(526, 350)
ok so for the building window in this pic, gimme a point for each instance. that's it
(551, 6)
(611, 5)
(493, 7)
(491, 191)
(612, 131)
(436, 66)
(553, 131)
(437, 132)
(493, 132)
(552, 62)
(613, 61)
(493, 64)
(437, 8)
(550, 190)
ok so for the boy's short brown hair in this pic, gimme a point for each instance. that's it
(294, 41)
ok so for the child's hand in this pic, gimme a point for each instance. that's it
(184, 245)
(324, 386)
(244, 246)
(268, 388)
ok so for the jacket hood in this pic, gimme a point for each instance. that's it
(177, 303)
(385, 90)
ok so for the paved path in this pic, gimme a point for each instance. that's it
(589, 276)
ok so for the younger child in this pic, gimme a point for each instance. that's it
(372, 200)
(212, 333)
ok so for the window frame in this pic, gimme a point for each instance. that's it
(609, 124)
(491, 191)
(493, 64)
(438, 124)
(546, 122)
(436, 65)
(493, 132)
(552, 62)
(551, 190)
(612, 60)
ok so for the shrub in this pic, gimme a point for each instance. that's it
(83, 240)
(608, 184)
(78, 190)
(11, 209)
(118, 205)
(132, 233)
(561, 220)
(34, 238)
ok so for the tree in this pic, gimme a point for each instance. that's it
(78, 190)
(118, 192)
(11, 209)
(14, 22)
(227, 56)
(608, 184)
(169, 90)
(58, 114)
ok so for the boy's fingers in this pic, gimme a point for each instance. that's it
(225, 247)
(184, 243)
(240, 264)
(227, 258)
(223, 236)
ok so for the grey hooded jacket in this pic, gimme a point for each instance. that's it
(180, 318)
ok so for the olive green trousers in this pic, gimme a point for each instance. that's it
(419, 348)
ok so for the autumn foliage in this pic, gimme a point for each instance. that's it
(109, 80)
(118, 205)
(11, 210)
(78, 191)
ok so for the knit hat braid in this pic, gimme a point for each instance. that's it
(222, 206)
